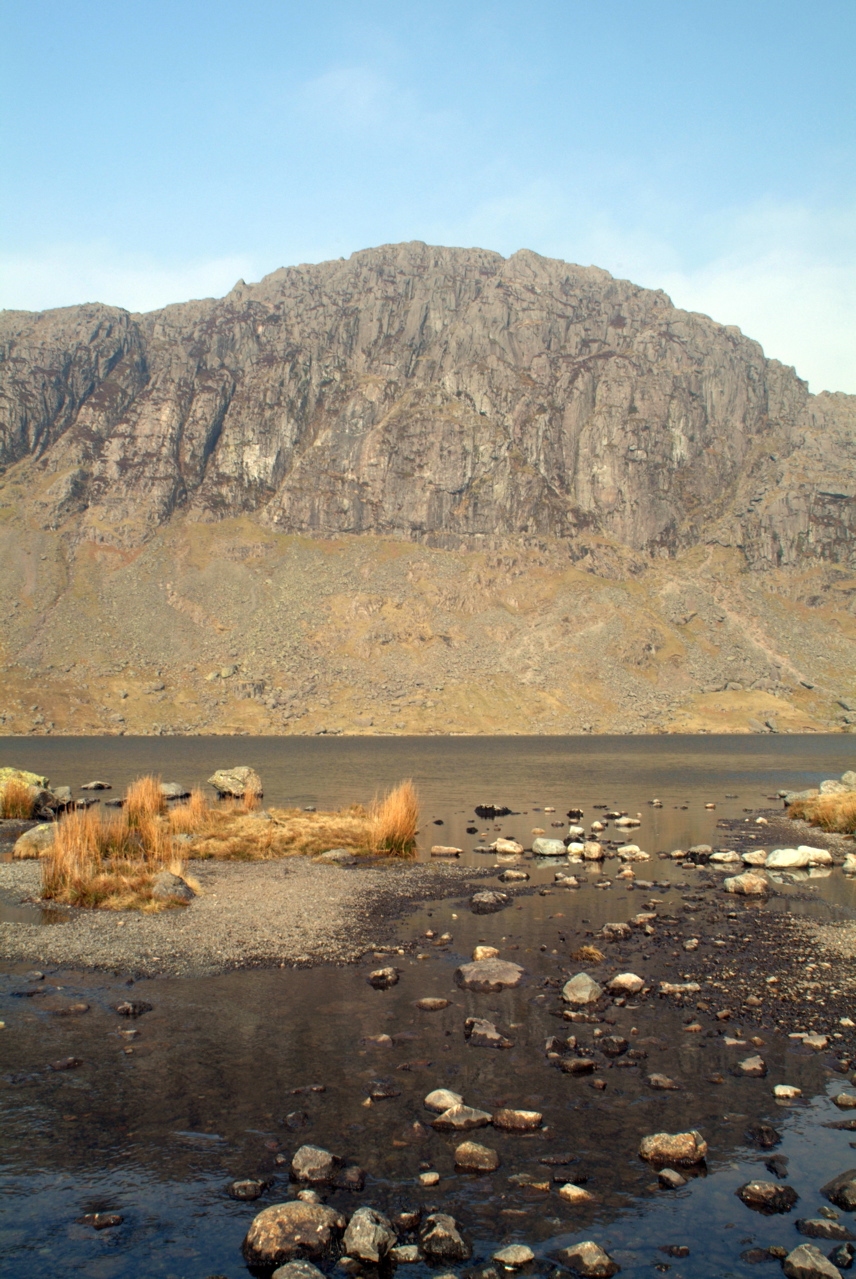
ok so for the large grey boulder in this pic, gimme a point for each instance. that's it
(544, 847)
(169, 887)
(236, 783)
(287, 1231)
(680, 1149)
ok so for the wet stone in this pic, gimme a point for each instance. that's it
(102, 1220)
(808, 1262)
(753, 1067)
(843, 1256)
(662, 1083)
(514, 1256)
(315, 1165)
(369, 1235)
(508, 1120)
(481, 1033)
(821, 1228)
(461, 1118)
(669, 1179)
(442, 1099)
(581, 991)
(576, 1195)
(842, 1190)
(625, 984)
(589, 1260)
(405, 1254)
(683, 1149)
(247, 1190)
(441, 1239)
(383, 978)
(488, 975)
(297, 1270)
(470, 1156)
(431, 1005)
(133, 1008)
(289, 1231)
(762, 1137)
(488, 902)
(767, 1196)
(512, 876)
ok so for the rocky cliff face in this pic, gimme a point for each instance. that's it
(532, 495)
(444, 395)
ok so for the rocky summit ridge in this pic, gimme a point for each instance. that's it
(420, 489)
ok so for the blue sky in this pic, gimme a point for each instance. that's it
(159, 151)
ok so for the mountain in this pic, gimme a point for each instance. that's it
(421, 489)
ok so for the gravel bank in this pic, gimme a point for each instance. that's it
(249, 914)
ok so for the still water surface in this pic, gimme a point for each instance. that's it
(207, 1096)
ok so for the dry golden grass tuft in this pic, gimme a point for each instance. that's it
(830, 812)
(394, 821)
(143, 800)
(588, 955)
(188, 818)
(16, 800)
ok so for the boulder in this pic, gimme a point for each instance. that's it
(445, 850)
(633, 853)
(34, 843)
(849, 864)
(749, 884)
(681, 1149)
(174, 790)
(488, 974)
(488, 902)
(823, 1228)
(472, 1157)
(235, 783)
(512, 876)
(593, 851)
(576, 1195)
(288, 1231)
(581, 990)
(816, 856)
(849, 779)
(845, 1100)
(842, 1190)
(461, 1119)
(315, 1166)
(247, 1190)
(767, 1196)
(808, 1262)
(485, 952)
(832, 786)
(441, 1239)
(97, 786)
(544, 847)
(369, 1236)
(792, 796)
(589, 1260)
(169, 887)
(669, 1179)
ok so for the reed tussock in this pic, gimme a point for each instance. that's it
(188, 818)
(830, 812)
(16, 800)
(143, 801)
(394, 821)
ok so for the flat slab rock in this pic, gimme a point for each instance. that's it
(487, 902)
(470, 1156)
(508, 1120)
(460, 1119)
(808, 1262)
(481, 1033)
(489, 974)
(288, 1231)
(767, 1196)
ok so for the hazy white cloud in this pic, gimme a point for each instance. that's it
(64, 275)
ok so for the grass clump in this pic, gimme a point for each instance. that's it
(588, 955)
(394, 821)
(16, 800)
(112, 861)
(835, 813)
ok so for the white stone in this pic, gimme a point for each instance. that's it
(581, 990)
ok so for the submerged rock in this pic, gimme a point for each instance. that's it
(842, 1190)
(514, 1256)
(482, 1033)
(383, 978)
(298, 1270)
(488, 902)
(460, 1119)
(472, 1157)
(749, 884)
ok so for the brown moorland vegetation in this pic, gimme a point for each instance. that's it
(16, 800)
(831, 812)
